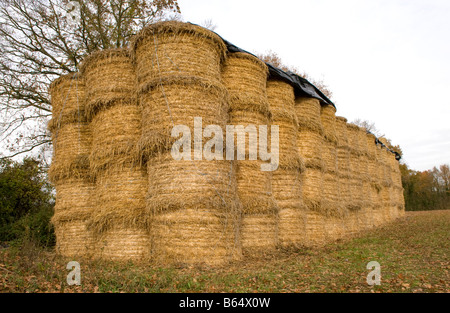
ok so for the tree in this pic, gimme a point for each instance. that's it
(273, 59)
(42, 39)
(26, 201)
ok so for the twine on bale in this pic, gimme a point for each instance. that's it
(244, 76)
(109, 77)
(177, 101)
(172, 49)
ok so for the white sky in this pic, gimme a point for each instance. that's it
(386, 61)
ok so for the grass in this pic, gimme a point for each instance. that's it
(413, 253)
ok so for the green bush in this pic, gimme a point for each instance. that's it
(26, 202)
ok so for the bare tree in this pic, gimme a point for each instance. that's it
(42, 39)
(272, 58)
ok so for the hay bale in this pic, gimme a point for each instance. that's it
(331, 198)
(356, 187)
(178, 101)
(71, 148)
(109, 76)
(342, 132)
(330, 156)
(172, 49)
(68, 100)
(115, 133)
(328, 119)
(310, 148)
(292, 226)
(353, 138)
(308, 114)
(73, 238)
(315, 230)
(197, 185)
(120, 198)
(287, 188)
(254, 188)
(123, 244)
(335, 228)
(74, 196)
(312, 188)
(194, 236)
(244, 76)
(352, 223)
(259, 232)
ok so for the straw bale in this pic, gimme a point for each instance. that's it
(343, 161)
(244, 76)
(171, 48)
(254, 188)
(73, 239)
(194, 236)
(281, 99)
(71, 148)
(363, 167)
(315, 230)
(123, 244)
(74, 196)
(356, 188)
(196, 185)
(259, 231)
(383, 167)
(292, 227)
(246, 118)
(109, 77)
(353, 138)
(312, 188)
(345, 189)
(362, 141)
(68, 100)
(120, 199)
(366, 218)
(341, 132)
(308, 114)
(287, 188)
(335, 228)
(177, 102)
(115, 134)
(310, 148)
(328, 119)
(352, 223)
(288, 152)
(331, 202)
(329, 155)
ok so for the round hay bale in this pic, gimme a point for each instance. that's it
(172, 49)
(194, 236)
(120, 198)
(71, 148)
(308, 114)
(259, 232)
(115, 134)
(68, 101)
(315, 230)
(245, 76)
(341, 132)
(196, 185)
(287, 188)
(310, 148)
(123, 244)
(281, 99)
(254, 188)
(109, 77)
(331, 198)
(328, 119)
(292, 226)
(74, 196)
(345, 189)
(353, 138)
(245, 119)
(356, 187)
(330, 157)
(73, 238)
(312, 188)
(178, 101)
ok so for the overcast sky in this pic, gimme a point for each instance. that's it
(387, 62)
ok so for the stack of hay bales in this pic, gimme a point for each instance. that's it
(69, 170)
(191, 202)
(356, 183)
(386, 180)
(397, 185)
(367, 204)
(375, 185)
(286, 179)
(310, 141)
(120, 181)
(245, 76)
(333, 206)
(344, 168)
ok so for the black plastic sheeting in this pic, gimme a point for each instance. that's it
(301, 86)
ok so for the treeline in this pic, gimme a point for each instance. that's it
(427, 190)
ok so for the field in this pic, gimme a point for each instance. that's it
(413, 252)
